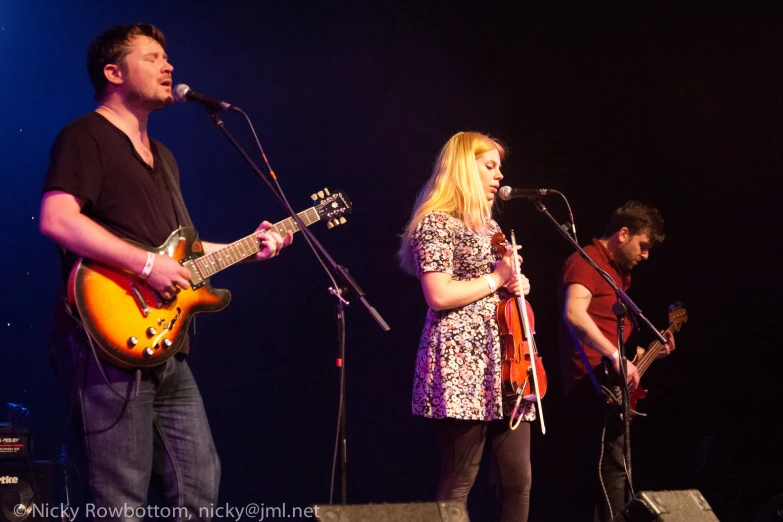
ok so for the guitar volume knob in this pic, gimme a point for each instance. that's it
(147, 352)
(151, 331)
(166, 344)
(132, 342)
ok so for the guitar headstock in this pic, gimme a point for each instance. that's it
(331, 206)
(678, 315)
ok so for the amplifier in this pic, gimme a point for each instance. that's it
(667, 506)
(25, 490)
(15, 444)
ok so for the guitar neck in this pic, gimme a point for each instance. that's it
(649, 356)
(241, 249)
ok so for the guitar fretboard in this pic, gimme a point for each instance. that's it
(241, 249)
(649, 356)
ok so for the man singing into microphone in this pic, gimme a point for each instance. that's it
(590, 335)
(108, 181)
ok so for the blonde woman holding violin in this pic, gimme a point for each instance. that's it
(458, 378)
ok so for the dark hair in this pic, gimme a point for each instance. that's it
(638, 218)
(111, 46)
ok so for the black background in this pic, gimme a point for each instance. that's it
(677, 105)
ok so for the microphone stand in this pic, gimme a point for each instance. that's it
(624, 304)
(334, 270)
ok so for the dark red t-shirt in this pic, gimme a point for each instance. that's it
(576, 270)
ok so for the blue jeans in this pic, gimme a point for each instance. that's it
(162, 434)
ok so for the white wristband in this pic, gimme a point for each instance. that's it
(491, 282)
(615, 355)
(148, 265)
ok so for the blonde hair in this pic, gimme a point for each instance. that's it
(453, 188)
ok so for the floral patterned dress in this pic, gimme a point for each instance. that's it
(458, 366)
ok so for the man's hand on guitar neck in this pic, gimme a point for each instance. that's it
(270, 241)
(667, 348)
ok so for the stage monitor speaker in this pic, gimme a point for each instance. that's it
(670, 506)
(415, 512)
(772, 512)
(24, 485)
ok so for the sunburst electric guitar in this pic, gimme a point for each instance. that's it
(132, 326)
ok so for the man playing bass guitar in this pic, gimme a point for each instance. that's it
(590, 335)
(107, 180)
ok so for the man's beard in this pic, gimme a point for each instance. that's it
(139, 99)
(623, 262)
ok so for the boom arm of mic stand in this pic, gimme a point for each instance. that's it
(341, 271)
(621, 295)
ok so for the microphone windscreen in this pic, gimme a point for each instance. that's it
(181, 92)
(504, 193)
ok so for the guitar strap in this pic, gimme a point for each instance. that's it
(183, 217)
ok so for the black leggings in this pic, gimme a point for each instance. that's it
(461, 446)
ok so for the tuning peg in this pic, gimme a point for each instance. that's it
(321, 194)
(336, 222)
(313, 197)
(329, 225)
(342, 220)
(326, 191)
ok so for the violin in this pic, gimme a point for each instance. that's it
(523, 374)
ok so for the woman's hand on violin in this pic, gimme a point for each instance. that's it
(506, 269)
(518, 284)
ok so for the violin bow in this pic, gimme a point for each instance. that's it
(531, 342)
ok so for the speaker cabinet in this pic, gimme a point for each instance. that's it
(772, 512)
(671, 506)
(25, 490)
(415, 512)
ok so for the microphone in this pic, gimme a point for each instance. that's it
(184, 93)
(506, 193)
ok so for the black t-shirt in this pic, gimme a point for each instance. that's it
(94, 160)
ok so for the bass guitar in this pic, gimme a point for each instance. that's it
(678, 316)
(132, 326)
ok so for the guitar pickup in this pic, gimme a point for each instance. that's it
(196, 280)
